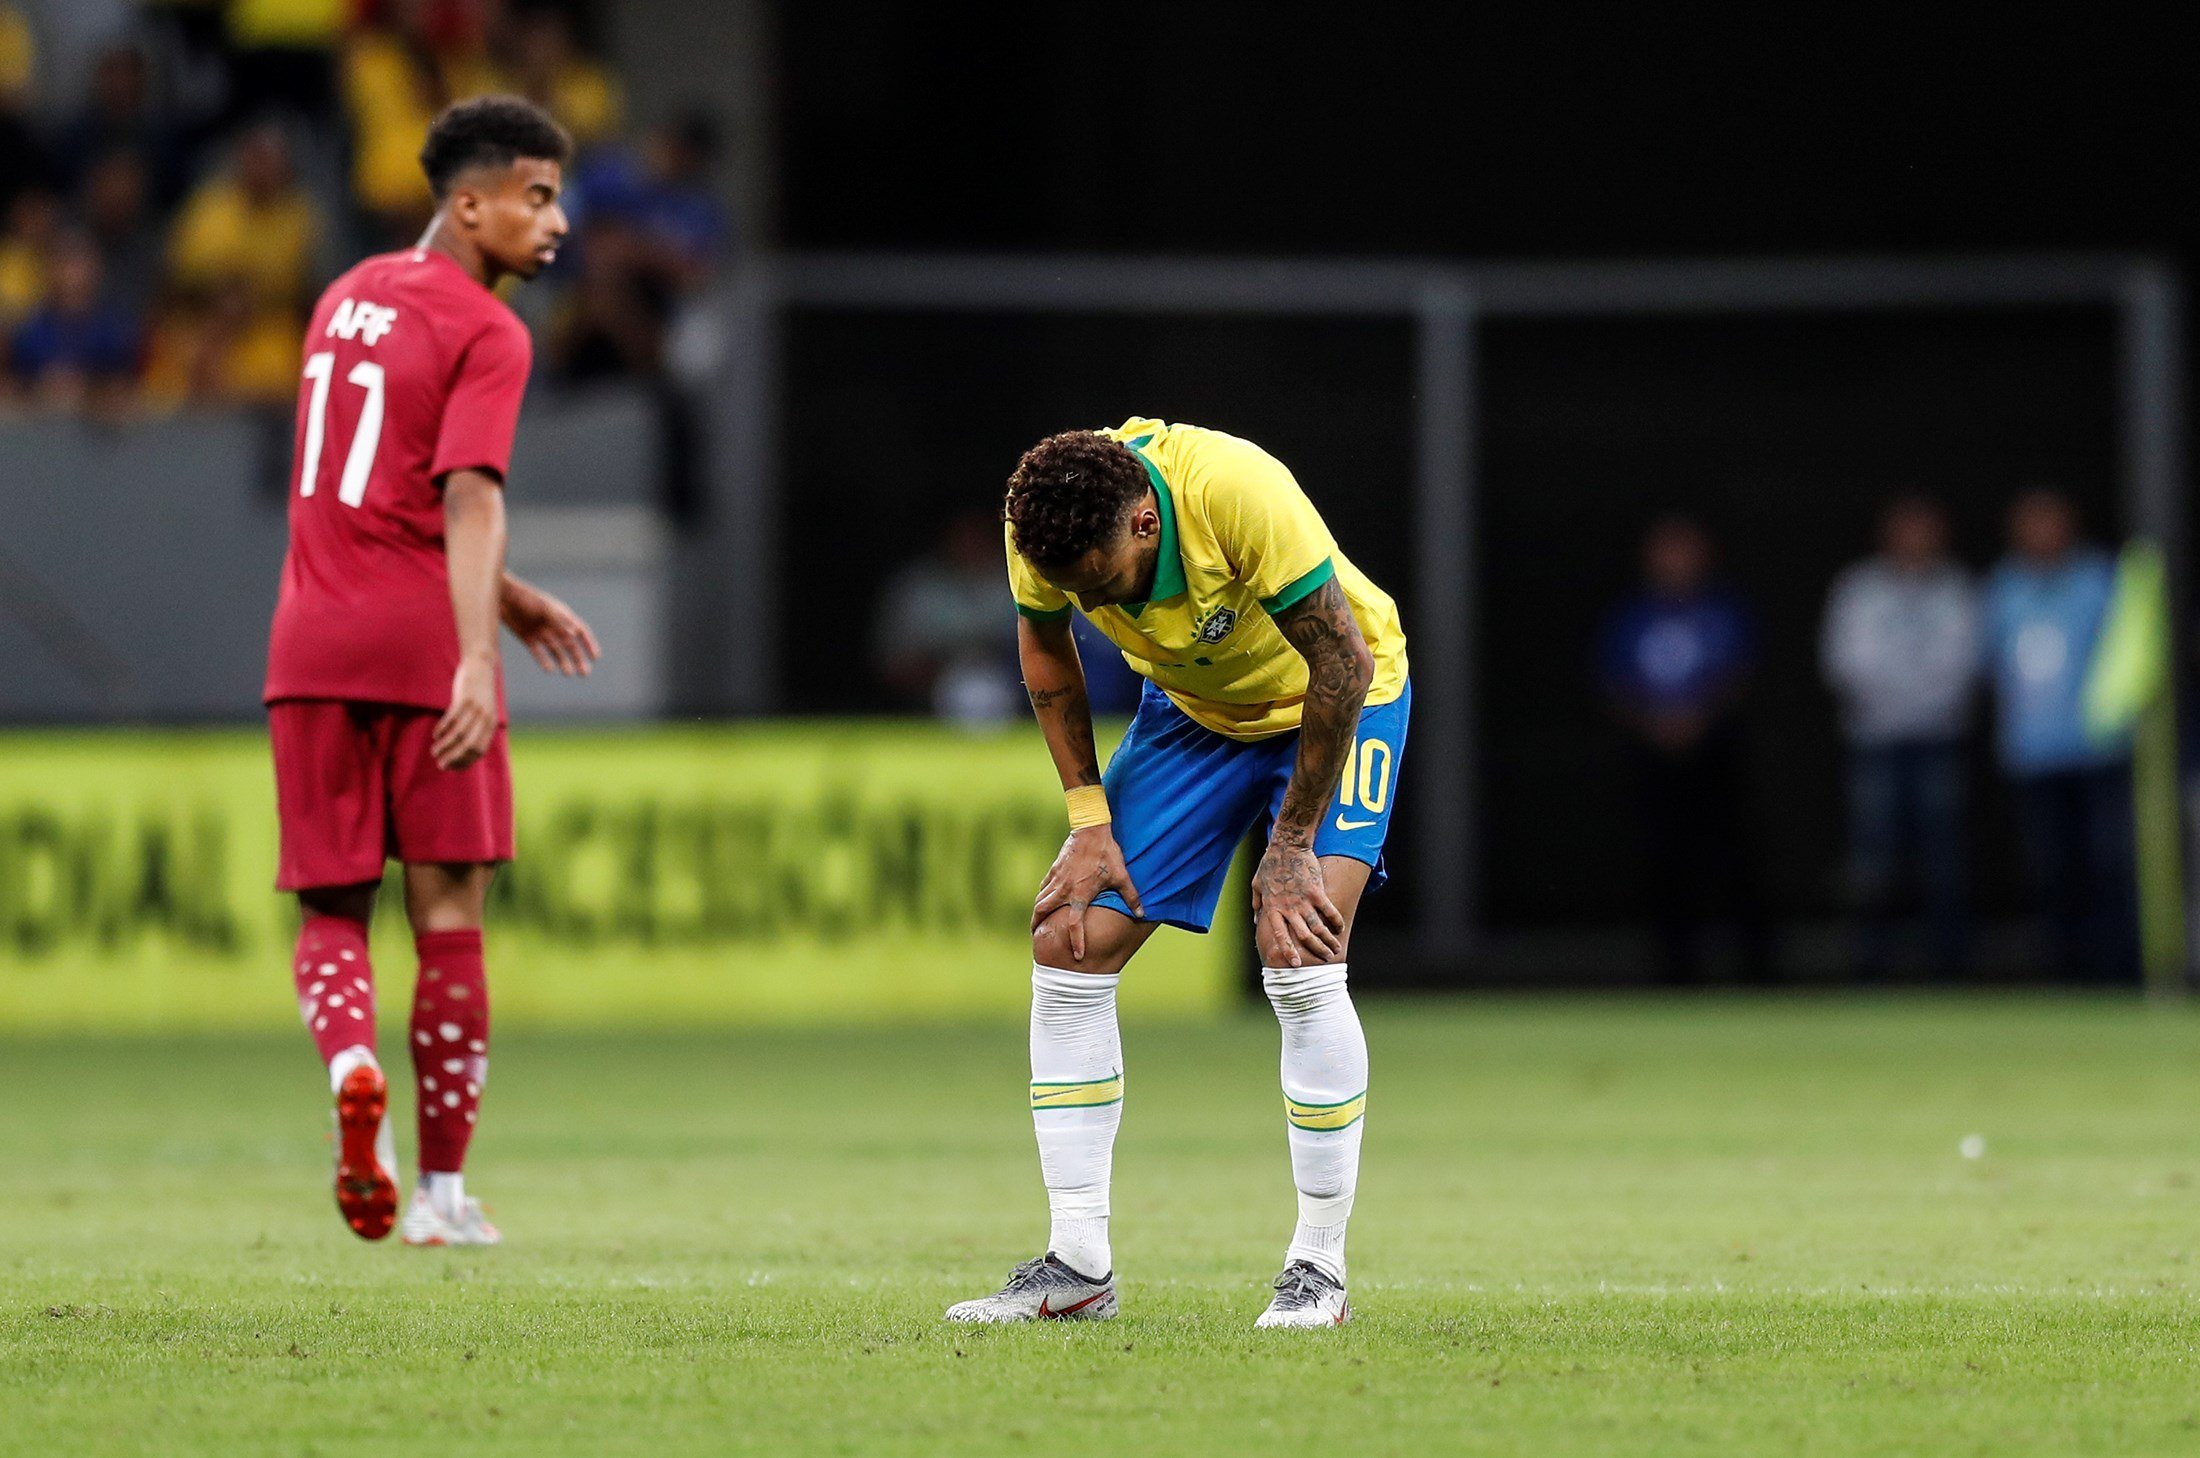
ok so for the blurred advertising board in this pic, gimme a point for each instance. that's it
(791, 872)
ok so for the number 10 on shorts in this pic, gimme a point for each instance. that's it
(1365, 782)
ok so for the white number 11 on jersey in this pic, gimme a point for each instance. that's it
(359, 464)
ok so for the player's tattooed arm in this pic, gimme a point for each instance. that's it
(1293, 915)
(1339, 669)
(1054, 679)
(1090, 861)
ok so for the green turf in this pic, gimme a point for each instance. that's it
(1692, 1227)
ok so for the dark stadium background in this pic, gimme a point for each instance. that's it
(1559, 134)
(1568, 133)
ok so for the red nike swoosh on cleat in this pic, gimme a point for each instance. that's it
(1044, 1313)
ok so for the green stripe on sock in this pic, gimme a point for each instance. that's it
(1088, 1094)
(1340, 1115)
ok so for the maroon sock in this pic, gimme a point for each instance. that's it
(450, 1045)
(335, 984)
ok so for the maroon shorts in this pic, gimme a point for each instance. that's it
(355, 786)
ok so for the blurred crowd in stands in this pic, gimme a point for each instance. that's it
(2068, 641)
(179, 178)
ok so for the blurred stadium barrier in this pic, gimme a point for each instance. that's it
(141, 559)
(798, 872)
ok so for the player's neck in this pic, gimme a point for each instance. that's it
(445, 239)
(1149, 572)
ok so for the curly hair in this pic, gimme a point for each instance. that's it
(490, 131)
(1069, 494)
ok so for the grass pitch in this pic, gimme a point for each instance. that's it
(1686, 1227)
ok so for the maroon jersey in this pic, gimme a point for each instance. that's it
(412, 370)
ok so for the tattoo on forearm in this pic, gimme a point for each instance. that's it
(1338, 671)
(1068, 707)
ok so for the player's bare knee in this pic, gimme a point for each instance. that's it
(1050, 945)
(447, 897)
(1103, 954)
(1276, 952)
(352, 903)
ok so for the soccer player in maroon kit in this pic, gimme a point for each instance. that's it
(384, 691)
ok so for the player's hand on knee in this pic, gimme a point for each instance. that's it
(1089, 863)
(1294, 917)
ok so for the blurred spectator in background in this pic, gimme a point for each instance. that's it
(613, 319)
(241, 268)
(1675, 662)
(121, 116)
(945, 639)
(18, 140)
(283, 56)
(18, 54)
(1900, 650)
(549, 68)
(116, 210)
(654, 235)
(662, 192)
(189, 44)
(76, 352)
(222, 154)
(407, 64)
(2045, 608)
(26, 241)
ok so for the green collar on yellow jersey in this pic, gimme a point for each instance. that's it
(1168, 572)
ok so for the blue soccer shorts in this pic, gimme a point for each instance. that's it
(1184, 797)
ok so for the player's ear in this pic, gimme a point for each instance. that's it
(465, 206)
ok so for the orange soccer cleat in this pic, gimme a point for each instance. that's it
(366, 1190)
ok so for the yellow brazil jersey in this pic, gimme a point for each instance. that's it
(1239, 542)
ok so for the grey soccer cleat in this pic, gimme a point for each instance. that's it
(1307, 1295)
(1042, 1289)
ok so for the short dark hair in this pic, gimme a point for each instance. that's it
(490, 131)
(1070, 494)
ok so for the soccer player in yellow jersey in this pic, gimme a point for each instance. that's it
(1276, 696)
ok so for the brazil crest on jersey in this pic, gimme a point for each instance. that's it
(1240, 542)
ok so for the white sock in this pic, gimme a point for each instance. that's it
(340, 1067)
(1076, 1106)
(1325, 1097)
(385, 1138)
(446, 1192)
